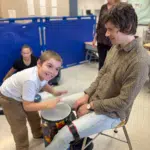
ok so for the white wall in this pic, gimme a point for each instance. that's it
(21, 8)
(140, 30)
(83, 5)
(90, 4)
(95, 5)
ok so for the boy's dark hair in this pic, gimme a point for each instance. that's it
(124, 17)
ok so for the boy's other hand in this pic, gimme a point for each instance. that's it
(59, 93)
(52, 103)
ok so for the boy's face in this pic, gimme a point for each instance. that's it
(48, 69)
(114, 34)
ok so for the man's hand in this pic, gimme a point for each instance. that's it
(82, 110)
(59, 93)
(94, 43)
(81, 101)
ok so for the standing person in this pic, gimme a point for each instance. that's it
(103, 42)
(110, 98)
(27, 60)
(17, 97)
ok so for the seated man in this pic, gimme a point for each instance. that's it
(109, 99)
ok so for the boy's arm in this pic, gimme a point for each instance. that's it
(51, 90)
(28, 95)
(32, 106)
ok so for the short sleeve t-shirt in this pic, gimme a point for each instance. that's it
(19, 64)
(23, 85)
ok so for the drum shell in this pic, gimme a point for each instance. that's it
(51, 128)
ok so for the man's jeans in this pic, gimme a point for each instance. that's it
(86, 125)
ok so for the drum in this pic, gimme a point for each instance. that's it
(54, 119)
(37, 98)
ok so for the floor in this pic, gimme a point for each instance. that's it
(76, 79)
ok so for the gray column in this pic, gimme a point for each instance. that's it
(73, 5)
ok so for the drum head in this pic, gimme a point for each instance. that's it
(60, 112)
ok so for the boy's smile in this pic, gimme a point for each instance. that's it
(48, 69)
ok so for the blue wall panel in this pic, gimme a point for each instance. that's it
(67, 37)
(12, 37)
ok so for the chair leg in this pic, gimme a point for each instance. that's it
(127, 137)
(90, 57)
(116, 131)
(86, 56)
(84, 143)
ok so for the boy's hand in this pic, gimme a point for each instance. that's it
(59, 93)
(52, 103)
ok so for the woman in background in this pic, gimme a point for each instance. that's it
(27, 60)
(103, 42)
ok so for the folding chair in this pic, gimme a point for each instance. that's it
(122, 124)
(91, 52)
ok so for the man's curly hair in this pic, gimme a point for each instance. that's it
(124, 17)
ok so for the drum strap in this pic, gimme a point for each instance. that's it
(74, 131)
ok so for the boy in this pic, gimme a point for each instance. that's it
(17, 97)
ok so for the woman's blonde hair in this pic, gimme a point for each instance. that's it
(48, 54)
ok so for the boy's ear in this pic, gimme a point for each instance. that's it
(39, 62)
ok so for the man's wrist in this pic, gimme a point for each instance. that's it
(89, 107)
(92, 106)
